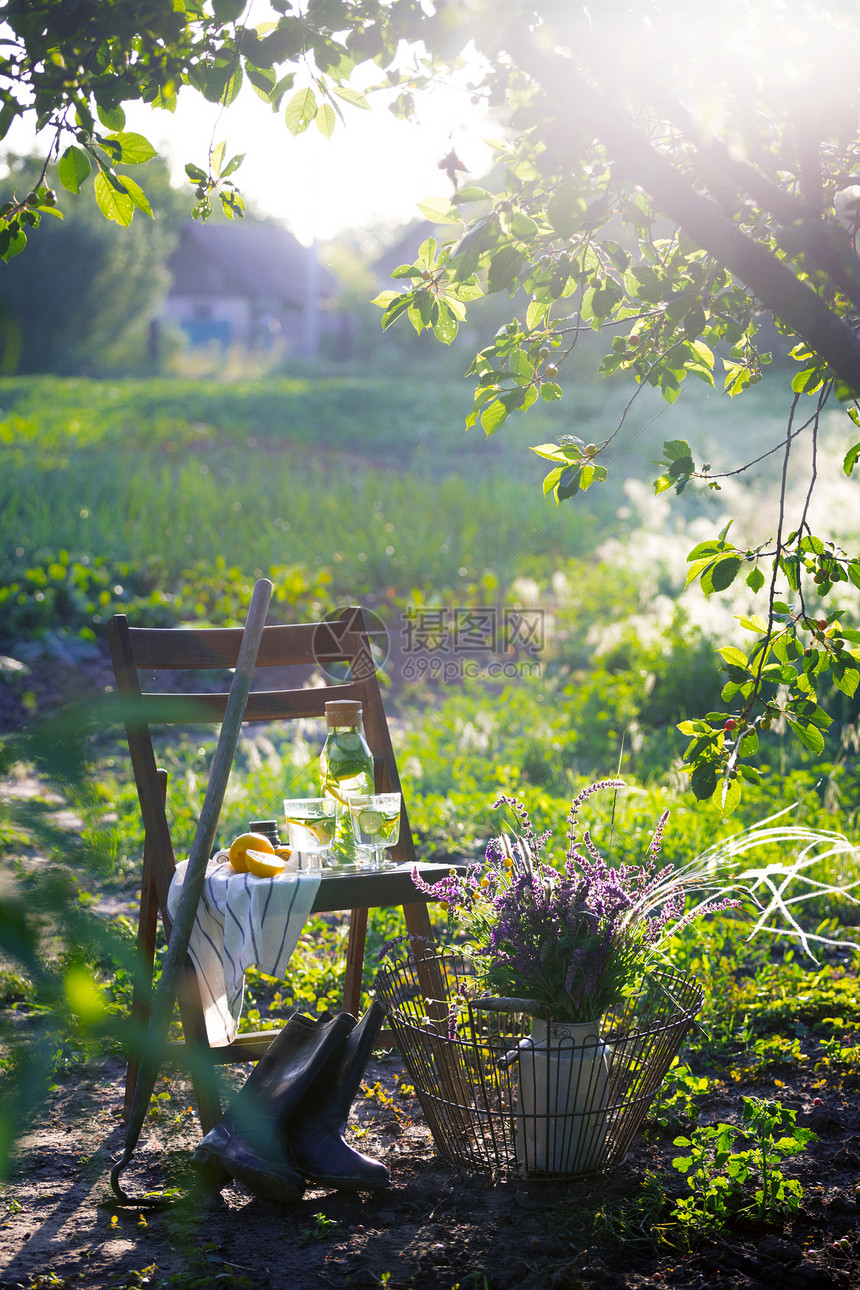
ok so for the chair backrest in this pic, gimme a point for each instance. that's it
(136, 650)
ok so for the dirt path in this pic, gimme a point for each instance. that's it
(435, 1227)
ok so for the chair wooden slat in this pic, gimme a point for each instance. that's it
(293, 645)
(263, 705)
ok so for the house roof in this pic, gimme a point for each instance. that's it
(249, 259)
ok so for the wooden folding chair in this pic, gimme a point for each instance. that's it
(148, 651)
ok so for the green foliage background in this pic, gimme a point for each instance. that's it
(166, 500)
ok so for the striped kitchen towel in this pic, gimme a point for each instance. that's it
(242, 921)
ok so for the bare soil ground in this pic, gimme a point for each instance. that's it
(435, 1227)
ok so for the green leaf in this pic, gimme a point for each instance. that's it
(300, 111)
(850, 459)
(111, 118)
(233, 165)
(11, 243)
(570, 482)
(326, 119)
(566, 208)
(730, 795)
(113, 204)
(755, 580)
(675, 449)
(809, 379)
(810, 736)
(445, 328)
(696, 726)
(134, 149)
(138, 196)
(228, 10)
(439, 211)
(505, 266)
(591, 474)
(847, 680)
(724, 572)
(550, 392)
(551, 480)
(349, 95)
(8, 112)
(396, 306)
(493, 416)
(553, 452)
(703, 781)
(74, 167)
(216, 157)
(732, 654)
(752, 623)
(230, 92)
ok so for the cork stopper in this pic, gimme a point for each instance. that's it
(342, 712)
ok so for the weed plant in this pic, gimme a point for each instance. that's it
(747, 1182)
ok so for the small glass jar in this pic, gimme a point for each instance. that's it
(268, 828)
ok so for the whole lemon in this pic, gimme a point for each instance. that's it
(240, 845)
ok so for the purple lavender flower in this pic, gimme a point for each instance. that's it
(575, 940)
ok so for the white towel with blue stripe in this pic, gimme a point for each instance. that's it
(241, 922)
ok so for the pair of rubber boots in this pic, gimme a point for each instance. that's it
(285, 1125)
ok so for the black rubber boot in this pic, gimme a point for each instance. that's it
(314, 1130)
(246, 1144)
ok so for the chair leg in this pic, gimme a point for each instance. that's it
(422, 940)
(142, 993)
(354, 961)
(197, 1049)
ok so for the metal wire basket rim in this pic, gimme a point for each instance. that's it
(680, 976)
(662, 977)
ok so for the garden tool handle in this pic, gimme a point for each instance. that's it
(529, 1006)
(195, 875)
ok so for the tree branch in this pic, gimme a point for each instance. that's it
(768, 278)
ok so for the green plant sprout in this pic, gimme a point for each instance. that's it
(721, 1179)
(676, 1102)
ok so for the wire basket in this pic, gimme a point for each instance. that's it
(509, 1095)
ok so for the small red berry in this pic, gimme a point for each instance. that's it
(730, 724)
(816, 1101)
(822, 623)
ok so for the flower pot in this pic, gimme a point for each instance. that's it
(560, 1123)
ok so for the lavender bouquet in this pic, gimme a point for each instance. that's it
(574, 940)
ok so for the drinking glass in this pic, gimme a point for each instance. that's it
(311, 822)
(375, 822)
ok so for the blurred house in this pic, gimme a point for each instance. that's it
(255, 286)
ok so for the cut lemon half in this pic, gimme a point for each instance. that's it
(239, 849)
(264, 864)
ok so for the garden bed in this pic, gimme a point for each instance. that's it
(436, 1227)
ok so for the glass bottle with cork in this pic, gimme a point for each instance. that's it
(346, 766)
